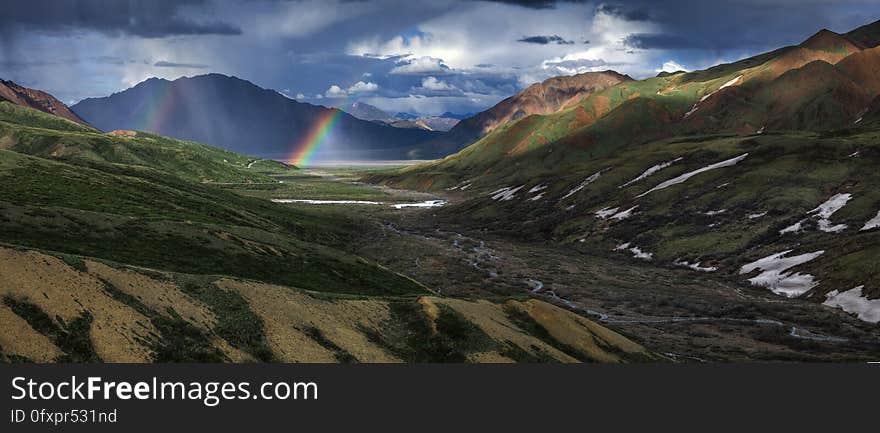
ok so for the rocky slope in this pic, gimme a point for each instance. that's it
(36, 99)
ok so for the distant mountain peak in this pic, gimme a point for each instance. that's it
(236, 114)
(826, 40)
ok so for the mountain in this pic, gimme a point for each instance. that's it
(237, 115)
(547, 97)
(459, 116)
(761, 171)
(368, 112)
(405, 116)
(36, 99)
(441, 124)
(365, 111)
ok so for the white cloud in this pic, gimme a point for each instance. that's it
(420, 65)
(671, 66)
(360, 87)
(335, 92)
(432, 83)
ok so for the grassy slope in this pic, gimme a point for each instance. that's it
(784, 176)
(30, 131)
(158, 265)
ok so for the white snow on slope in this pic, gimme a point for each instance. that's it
(506, 193)
(426, 203)
(537, 197)
(636, 251)
(774, 276)
(695, 266)
(757, 215)
(651, 171)
(824, 213)
(537, 188)
(622, 215)
(794, 228)
(583, 184)
(715, 212)
(688, 175)
(854, 302)
(833, 204)
(606, 212)
(696, 106)
(873, 223)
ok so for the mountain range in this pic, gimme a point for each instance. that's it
(365, 111)
(237, 115)
(759, 170)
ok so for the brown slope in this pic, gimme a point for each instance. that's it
(863, 68)
(547, 97)
(830, 42)
(815, 97)
(36, 99)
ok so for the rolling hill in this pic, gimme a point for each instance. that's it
(237, 115)
(36, 99)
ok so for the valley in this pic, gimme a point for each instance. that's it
(729, 214)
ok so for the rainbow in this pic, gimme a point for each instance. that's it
(305, 150)
(155, 115)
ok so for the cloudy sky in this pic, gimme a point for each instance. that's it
(414, 56)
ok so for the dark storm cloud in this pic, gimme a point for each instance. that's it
(537, 4)
(545, 39)
(149, 19)
(166, 64)
(750, 25)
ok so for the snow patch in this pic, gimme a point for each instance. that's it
(854, 302)
(426, 203)
(823, 213)
(725, 85)
(686, 176)
(757, 215)
(506, 193)
(537, 188)
(715, 212)
(873, 223)
(622, 215)
(774, 276)
(582, 185)
(636, 251)
(606, 212)
(651, 171)
(537, 197)
(695, 266)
